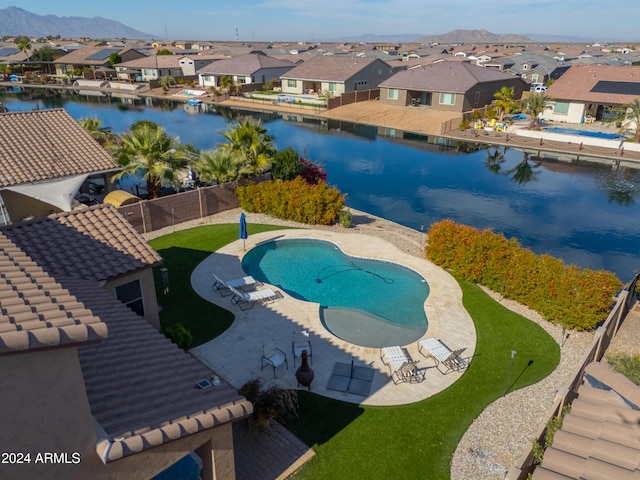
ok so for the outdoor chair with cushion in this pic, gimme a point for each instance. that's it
(245, 300)
(272, 355)
(300, 343)
(222, 286)
(443, 355)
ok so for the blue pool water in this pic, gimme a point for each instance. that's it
(365, 302)
(583, 133)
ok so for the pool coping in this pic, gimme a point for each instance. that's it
(236, 354)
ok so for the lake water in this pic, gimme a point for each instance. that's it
(585, 214)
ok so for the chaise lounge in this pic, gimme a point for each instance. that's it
(443, 355)
(402, 367)
(245, 300)
(222, 285)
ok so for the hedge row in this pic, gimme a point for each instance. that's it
(564, 294)
(293, 200)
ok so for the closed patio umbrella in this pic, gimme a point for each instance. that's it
(243, 230)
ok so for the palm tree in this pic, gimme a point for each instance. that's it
(536, 103)
(93, 126)
(631, 117)
(24, 46)
(166, 82)
(252, 143)
(226, 82)
(148, 149)
(504, 102)
(219, 166)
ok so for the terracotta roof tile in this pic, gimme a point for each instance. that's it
(330, 68)
(47, 144)
(84, 243)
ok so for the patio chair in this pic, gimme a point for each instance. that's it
(299, 343)
(272, 355)
(240, 283)
(397, 360)
(410, 373)
(246, 300)
(443, 355)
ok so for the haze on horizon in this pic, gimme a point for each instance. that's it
(288, 20)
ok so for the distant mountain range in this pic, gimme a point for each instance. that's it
(16, 21)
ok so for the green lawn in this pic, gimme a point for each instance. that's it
(351, 441)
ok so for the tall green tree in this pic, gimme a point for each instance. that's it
(536, 103)
(219, 166)
(504, 101)
(286, 165)
(252, 143)
(166, 82)
(114, 58)
(93, 126)
(24, 46)
(630, 117)
(149, 150)
(226, 81)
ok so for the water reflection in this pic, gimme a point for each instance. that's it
(583, 213)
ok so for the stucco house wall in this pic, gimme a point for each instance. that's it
(575, 113)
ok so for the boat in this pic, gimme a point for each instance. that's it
(194, 101)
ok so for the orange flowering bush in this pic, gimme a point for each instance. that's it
(294, 200)
(564, 294)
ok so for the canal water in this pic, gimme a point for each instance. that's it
(586, 214)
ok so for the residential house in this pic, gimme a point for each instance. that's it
(46, 158)
(592, 93)
(94, 58)
(244, 69)
(157, 66)
(336, 74)
(600, 436)
(449, 86)
(87, 379)
(533, 68)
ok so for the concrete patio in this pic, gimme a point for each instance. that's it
(236, 354)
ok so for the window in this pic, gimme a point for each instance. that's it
(561, 108)
(477, 98)
(447, 99)
(241, 79)
(292, 83)
(131, 295)
(534, 78)
(333, 87)
(525, 66)
(392, 94)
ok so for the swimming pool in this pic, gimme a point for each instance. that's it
(583, 133)
(367, 302)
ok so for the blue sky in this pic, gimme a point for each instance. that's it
(296, 20)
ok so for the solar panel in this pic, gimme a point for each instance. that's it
(103, 54)
(620, 88)
(6, 51)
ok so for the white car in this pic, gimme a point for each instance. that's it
(539, 88)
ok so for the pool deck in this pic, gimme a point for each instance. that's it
(236, 354)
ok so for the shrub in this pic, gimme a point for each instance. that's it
(269, 403)
(464, 125)
(312, 172)
(179, 335)
(564, 294)
(286, 165)
(553, 425)
(345, 218)
(627, 365)
(294, 200)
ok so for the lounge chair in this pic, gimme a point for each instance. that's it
(272, 355)
(443, 355)
(222, 285)
(401, 366)
(299, 343)
(262, 296)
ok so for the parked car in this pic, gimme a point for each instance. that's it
(538, 88)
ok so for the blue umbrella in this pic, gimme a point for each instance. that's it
(243, 229)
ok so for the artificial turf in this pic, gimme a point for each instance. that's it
(362, 442)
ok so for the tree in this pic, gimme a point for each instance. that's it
(226, 81)
(286, 165)
(148, 149)
(93, 126)
(253, 144)
(630, 117)
(115, 58)
(164, 51)
(44, 54)
(536, 103)
(504, 102)
(219, 166)
(24, 46)
(167, 82)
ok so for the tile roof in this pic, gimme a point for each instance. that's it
(245, 64)
(330, 68)
(35, 310)
(95, 244)
(47, 144)
(83, 55)
(600, 437)
(577, 82)
(156, 401)
(456, 77)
